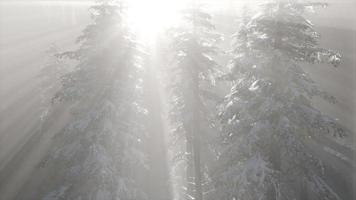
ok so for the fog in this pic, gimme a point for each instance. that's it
(130, 114)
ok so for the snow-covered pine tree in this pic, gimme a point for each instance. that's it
(268, 117)
(98, 155)
(193, 76)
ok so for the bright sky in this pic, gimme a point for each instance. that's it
(148, 17)
(152, 15)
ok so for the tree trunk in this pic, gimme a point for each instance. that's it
(196, 138)
(197, 169)
(190, 167)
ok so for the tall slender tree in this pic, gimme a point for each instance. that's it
(268, 117)
(194, 71)
(98, 154)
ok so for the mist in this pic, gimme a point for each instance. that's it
(177, 100)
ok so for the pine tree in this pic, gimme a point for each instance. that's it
(268, 117)
(194, 75)
(98, 154)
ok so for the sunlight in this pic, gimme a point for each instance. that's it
(148, 18)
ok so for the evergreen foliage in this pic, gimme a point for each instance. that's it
(256, 143)
(99, 153)
(268, 117)
(195, 70)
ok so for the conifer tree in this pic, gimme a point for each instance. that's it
(98, 154)
(194, 75)
(268, 117)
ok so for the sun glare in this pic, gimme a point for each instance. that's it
(148, 18)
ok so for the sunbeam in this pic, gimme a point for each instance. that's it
(177, 99)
